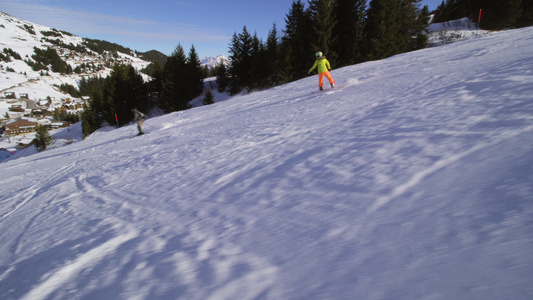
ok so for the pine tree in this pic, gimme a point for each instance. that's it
(421, 40)
(501, 14)
(42, 138)
(349, 31)
(382, 28)
(393, 27)
(441, 13)
(296, 44)
(323, 21)
(123, 91)
(259, 73)
(526, 19)
(414, 23)
(208, 98)
(91, 119)
(241, 54)
(195, 77)
(272, 57)
(172, 96)
(222, 75)
(155, 86)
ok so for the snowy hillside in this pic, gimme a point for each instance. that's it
(411, 180)
(22, 37)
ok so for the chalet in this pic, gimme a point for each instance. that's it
(16, 108)
(14, 115)
(24, 96)
(20, 127)
(56, 125)
(44, 122)
(25, 142)
(37, 112)
(10, 95)
(43, 102)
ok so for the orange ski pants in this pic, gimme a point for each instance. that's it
(321, 78)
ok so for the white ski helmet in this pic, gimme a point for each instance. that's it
(318, 54)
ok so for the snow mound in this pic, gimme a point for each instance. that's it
(453, 31)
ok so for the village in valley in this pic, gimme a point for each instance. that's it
(21, 116)
(32, 90)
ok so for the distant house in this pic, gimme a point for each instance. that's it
(10, 95)
(44, 122)
(37, 112)
(43, 102)
(21, 127)
(56, 125)
(24, 96)
(14, 115)
(16, 108)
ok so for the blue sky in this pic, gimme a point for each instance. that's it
(159, 24)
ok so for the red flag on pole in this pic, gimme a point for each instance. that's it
(479, 19)
(116, 118)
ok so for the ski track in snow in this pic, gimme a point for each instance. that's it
(412, 180)
(418, 177)
(65, 273)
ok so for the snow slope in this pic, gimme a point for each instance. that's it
(411, 180)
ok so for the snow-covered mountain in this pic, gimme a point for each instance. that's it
(212, 62)
(410, 180)
(18, 76)
(17, 73)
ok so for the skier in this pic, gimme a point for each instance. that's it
(139, 117)
(323, 70)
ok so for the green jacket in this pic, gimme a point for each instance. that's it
(322, 63)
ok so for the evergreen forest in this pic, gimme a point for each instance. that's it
(495, 14)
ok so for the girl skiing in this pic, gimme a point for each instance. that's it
(323, 70)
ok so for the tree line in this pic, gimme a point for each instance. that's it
(346, 31)
(495, 14)
(112, 98)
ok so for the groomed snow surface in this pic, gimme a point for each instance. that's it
(411, 180)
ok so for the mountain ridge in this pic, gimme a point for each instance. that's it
(86, 57)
